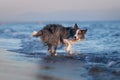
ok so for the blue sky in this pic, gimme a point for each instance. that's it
(59, 10)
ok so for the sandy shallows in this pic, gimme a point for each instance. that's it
(11, 69)
(15, 70)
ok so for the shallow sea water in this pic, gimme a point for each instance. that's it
(96, 58)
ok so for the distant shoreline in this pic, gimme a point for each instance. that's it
(45, 22)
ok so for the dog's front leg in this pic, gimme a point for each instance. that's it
(68, 49)
(68, 46)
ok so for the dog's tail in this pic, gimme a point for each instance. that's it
(36, 34)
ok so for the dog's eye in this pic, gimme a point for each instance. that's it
(73, 31)
(79, 33)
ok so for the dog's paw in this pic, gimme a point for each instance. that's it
(54, 54)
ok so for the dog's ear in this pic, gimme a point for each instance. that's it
(75, 26)
(84, 31)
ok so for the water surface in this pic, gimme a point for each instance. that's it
(96, 58)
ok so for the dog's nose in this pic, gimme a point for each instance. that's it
(74, 37)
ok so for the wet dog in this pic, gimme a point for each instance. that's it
(54, 34)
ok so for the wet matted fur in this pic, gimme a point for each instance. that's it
(54, 34)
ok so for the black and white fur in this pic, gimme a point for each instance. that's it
(54, 34)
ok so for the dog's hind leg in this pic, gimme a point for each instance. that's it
(54, 52)
(49, 48)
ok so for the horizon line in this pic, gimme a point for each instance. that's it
(55, 21)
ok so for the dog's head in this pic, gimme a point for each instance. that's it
(79, 34)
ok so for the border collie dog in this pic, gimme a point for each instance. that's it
(54, 34)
